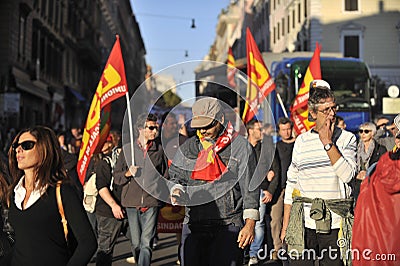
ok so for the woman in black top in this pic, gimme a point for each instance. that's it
(36, 166)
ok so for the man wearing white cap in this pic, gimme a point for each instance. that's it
(396, 122)
(316, 205)
(396, 133)
(212, 176)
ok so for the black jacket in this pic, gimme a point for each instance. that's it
(148, 185)
(268, 159)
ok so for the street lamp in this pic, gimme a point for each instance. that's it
(193, 26)
(186, 52)
(297, 76)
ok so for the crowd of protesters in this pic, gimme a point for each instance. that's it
(251, 197)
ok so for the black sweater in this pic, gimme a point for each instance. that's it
(39, 233)
(284, 151)
(268, 160)
(103, 180)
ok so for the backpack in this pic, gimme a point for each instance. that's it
(90, 191)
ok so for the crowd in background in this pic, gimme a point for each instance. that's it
(123, 207)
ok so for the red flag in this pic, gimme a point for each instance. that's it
(260, 83)
(231, 71)
(299, 109)
(112, 85)
(105, 126)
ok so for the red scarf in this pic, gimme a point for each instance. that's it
(209, 166)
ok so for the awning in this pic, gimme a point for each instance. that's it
(29, 87)
(77, 95)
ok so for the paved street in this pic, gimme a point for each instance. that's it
(165, 254)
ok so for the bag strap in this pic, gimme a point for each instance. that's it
(61, 209)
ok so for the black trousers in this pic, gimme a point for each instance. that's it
(321, 247)
(210, 246)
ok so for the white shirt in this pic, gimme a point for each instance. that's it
(20, 193)
(313, 175)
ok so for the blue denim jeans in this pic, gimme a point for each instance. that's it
(108, 231)
(259, 230)
(210, 245)
(142, 226)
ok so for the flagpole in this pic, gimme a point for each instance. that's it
(237, 104)
(128, 107)
(281, 104)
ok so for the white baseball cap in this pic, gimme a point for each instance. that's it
(319, 83)
(396, 121)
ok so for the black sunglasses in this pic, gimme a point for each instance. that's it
(25, 145)
(366, 131)
(152, 127)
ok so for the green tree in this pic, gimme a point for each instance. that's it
(171, 99)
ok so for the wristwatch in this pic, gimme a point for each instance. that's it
(328, 146)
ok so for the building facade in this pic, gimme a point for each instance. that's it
(364, 29)
(53, 53)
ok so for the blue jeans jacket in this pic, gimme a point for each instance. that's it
(229, 200)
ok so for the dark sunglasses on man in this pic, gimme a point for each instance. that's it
(151, 128)
(25, 145)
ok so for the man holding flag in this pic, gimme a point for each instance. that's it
(143, 184)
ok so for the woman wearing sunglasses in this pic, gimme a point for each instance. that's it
(377, 214)
(36, 166)
(368, 152)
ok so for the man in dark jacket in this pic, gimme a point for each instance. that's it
(264, 146)
(109, 213)
(284, 149)
(142, 180)
(212, 175)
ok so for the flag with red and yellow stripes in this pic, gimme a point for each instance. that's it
(231, 69)
(112, 85)
(260, 83)
(299, 109)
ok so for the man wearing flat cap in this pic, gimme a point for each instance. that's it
(212, 177)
